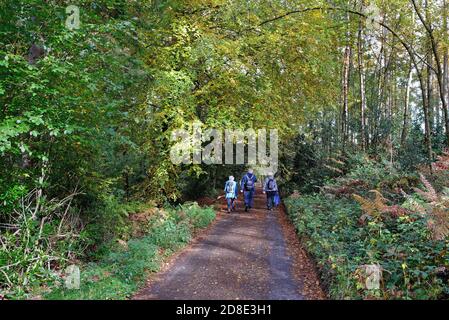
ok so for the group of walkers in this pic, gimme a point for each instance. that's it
(247, 187)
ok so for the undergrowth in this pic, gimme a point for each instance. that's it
(120, 272)
(114, 269)
(376, 215)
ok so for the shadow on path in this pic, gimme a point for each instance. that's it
(242, 256)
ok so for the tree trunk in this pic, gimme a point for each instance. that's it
(362, 88)
(406, 107)
(425, 101)
(445, 65)
(439, 70)
(429, 85)
(344, 117)
(377, 112)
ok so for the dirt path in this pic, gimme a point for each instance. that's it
(252, 255)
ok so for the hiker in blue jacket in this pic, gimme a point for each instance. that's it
(247, 185)
(270, 188)
(232, 192)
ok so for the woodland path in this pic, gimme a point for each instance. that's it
(253, 255)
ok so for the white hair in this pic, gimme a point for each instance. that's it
(270, 174)
(250, 170)
(231, 178)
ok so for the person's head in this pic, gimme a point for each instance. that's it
(250, 171)
(231, 178)
(270, 174)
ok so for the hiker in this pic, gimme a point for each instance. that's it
(247, 186)
(270, 188)
(231, 191)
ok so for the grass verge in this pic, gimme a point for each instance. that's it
(125, 266)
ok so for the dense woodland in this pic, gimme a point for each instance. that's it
(357, 89)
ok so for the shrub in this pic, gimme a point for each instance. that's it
(170, 235)
(398, 233)
(38, 238)
(131, 265)
(123, 267)
(199, 217)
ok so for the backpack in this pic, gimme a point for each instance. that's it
(230, 187)
(270, 185)
(249, 184)
(277, 199)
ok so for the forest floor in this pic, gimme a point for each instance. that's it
(254, 255)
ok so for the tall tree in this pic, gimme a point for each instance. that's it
(360, 48)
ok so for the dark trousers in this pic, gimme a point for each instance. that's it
(249, 196)
(270, 199)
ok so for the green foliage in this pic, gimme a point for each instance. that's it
(130, 265)
(199, 217)
(66, 125)
(412, 154)
(110, 220)
(116, 276)
(305, 167)
(123, 268)
(329, 223)
(170, 234)
(40, 235)
(96, 283)
(93, 114)
(10, 197)
(176, 228)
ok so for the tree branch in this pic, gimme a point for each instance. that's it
(407, 47)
